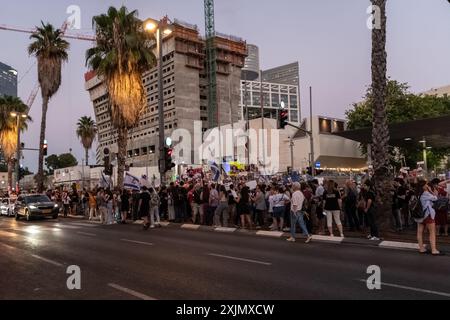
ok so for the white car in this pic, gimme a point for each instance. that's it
(7, 207)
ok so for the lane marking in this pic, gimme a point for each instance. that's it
(131, 292)
(443, 294)
(8, 246)
(84, 225)
(47, 260)
(190, 226)
(275, 234)
(240, 259)
(137, 242)
(86, 234)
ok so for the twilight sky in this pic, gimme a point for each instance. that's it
(328, 37)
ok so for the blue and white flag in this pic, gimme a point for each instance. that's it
(105, 182)
(131, 182)
(215, 172)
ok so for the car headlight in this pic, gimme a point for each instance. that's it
(33, 207)
(55, 206)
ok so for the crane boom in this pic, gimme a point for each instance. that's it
(86, 37)
(211, 64)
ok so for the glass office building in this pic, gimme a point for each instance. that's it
(274, 96)
(8, 80)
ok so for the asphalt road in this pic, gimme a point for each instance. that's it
(125, 262)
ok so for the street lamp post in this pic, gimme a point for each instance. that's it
(18, 116)
(160, 28)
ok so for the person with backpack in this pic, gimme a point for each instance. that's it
(441, 207)
(424, 215)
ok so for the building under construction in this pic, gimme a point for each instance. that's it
(185, 92)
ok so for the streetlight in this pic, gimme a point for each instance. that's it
(18, 116)
(160, 28)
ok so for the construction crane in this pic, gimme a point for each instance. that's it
(211, 64)
(63, 29)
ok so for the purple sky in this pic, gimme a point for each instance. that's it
(328, 37)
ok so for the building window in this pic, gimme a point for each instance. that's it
(325, 126)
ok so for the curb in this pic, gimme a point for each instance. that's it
(384, 244)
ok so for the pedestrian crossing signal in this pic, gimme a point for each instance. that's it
(168, 158)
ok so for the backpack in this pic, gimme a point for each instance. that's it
(441, 204)
(154, 201)
(416, 208)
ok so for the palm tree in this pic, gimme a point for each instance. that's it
(380, 132)
(86, 132)
(8, 130)
(122, 53)
(50, 49)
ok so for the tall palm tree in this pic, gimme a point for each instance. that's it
(8, 130)
(122, 53)
(86, 132)
(380, 131)
(50, 49)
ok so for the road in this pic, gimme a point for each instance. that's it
(124, 262)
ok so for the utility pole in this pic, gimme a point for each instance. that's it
(261, 98)
(311, 136)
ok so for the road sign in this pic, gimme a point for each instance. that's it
(318, 165)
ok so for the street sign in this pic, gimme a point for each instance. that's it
(318, 165)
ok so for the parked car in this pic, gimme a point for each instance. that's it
(35, 205)
(7, 207)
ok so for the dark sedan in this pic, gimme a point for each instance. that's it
(35, 206)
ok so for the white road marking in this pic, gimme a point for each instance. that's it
(47, 260)
(443, 294)
(398, 245)
(190, 226)
(275, 234)
(131, 292)
(87, 234)
(137, 242)
(223, 229)
(240, 259)
(328, 238)
(65, 226)
(165, 224)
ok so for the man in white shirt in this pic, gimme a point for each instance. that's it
(297, 213)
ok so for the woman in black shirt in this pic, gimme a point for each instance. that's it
(332, 207)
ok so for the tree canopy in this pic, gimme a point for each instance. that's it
(54, 162)
(402, 106)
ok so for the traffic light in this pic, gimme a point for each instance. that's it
(283, 118)
(45, 148)
(21, 172)
(168, 154)
(108, 171)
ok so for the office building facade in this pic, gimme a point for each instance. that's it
(274, 96)
(185, 93)
(8, 80)
(287, 74)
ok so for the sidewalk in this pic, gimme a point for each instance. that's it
(393, 240)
